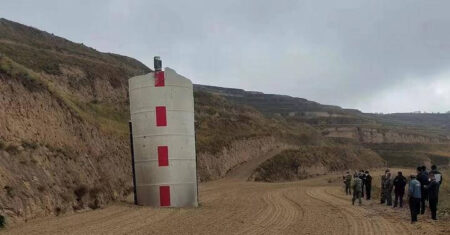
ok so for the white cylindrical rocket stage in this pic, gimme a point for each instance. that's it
(162, 116)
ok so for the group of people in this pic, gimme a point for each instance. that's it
(360, 182)
(422, 187)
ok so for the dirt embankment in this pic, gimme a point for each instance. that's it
(215, 166)
(308, 161)
(377, 136)
(51, 160)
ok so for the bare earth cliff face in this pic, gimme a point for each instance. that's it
(63, 130)
(379, 136)
(215, 166)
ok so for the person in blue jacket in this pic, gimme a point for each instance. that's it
(422, 177)
(414, 195)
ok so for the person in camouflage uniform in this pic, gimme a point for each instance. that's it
(383, 180)
(347, 181)
(388, 187)
(357, 189)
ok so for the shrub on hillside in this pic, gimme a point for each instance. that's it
(80, 191)
(12, 149)
(2, 221)
(9, 191)
(28, 78)
(52, 68)
(29, 144)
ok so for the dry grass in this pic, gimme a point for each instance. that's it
(106, 117)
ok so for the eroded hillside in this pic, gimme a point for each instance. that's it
(63, 124)
(393, 136)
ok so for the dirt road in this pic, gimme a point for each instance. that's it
(234, 206)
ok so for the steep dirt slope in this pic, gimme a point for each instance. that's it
(63, 124)
(308, 161)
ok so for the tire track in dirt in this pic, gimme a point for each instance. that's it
(367, 219)
(399, 226)
(312, 206)
(276, 217)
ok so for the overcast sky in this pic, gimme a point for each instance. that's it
(376, 56)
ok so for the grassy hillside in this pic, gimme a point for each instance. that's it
(413, 155)
(438, 122)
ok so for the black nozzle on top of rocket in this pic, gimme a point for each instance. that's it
(157, 63)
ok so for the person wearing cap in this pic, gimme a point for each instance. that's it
(433, 194)
(347, 181)
(422, 177)
(414, 196)
(362, 176)
(383, 180)
(368, 185)
(399, 184)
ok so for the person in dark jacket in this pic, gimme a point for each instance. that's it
(424, 169)
(436, 174)
(399, 184)
(433, 194)
(414, 195)
(362, 176)
(368, 185)
(422, 177)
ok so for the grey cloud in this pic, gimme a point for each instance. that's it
(357, 54)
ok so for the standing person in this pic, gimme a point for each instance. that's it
(424, 169)
(383, 179)
(388, 186)
(433, 194)
(414, 195)
(436, 174)
(347, 182)
(362, 176)
(399, 184)
(422, 177)
(368, 185)
(357, 189)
